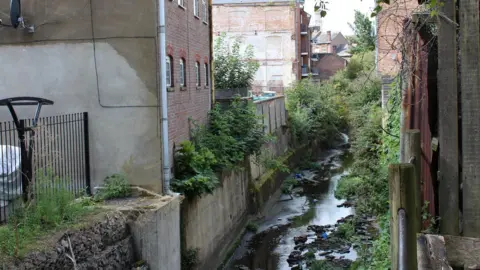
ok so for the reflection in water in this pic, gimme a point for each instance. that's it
(270, 249)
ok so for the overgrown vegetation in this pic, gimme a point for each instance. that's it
(251, 227)
(115, 186)
(53, 207)
(232, 134)
(233, 67)
(364, 37)
(190, 259)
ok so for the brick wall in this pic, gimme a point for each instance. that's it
(187, 37)
(390, 23)
(327, 66)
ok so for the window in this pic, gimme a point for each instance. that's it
(206, 74)
(181, 3)
(182, 73)
(205, 10)
(196, 7)
(197, 73)
(169, 69)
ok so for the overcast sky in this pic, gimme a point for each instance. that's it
(340, 13)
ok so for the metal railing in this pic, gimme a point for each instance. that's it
(61, 150)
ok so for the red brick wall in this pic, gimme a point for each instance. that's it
(328, 65)
(187, 37)
(390, 23)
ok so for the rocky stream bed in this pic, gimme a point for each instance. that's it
(308, 226)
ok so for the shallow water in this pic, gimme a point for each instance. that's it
(316, 206)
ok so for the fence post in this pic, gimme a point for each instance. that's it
(26, 164)
(86, 146)
(401, 182)
(413, 156)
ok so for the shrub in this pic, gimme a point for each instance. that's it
(232, 134)
(115, 186)
(193, 171)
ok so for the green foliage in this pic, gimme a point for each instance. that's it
(288, 185)
(251, 227)
(190, 259)
(54, 206)
(115, 186)
(313, 112)
(346, 188)
(268, 160)
(346, 230)
(324, 265)
(364, 38)
(233, 68)
(193, 170)
(377, 256)
(232, 134)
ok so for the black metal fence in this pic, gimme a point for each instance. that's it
(61, 149)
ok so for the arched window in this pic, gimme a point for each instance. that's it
(197, 73)
(206, 74)
(169, 71)
(182, 74)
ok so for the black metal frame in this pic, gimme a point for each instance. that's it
(26, 154)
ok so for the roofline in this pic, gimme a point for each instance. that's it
(248, 2)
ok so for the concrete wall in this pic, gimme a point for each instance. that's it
(99, 57)
(156, 236)
(272, 31)
(212, 222)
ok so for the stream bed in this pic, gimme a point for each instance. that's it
(296, 225)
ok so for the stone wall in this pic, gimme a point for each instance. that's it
(105, 244)
(144, 229)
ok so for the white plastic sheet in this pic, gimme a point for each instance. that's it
(10, 174)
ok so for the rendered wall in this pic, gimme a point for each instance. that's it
(95, 56)
(272, 33)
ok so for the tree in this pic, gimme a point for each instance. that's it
(233, 68)
(364, 37)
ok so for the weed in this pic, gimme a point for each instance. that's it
(251, 227)
(116, 186)
(190, 259)
(54, 206)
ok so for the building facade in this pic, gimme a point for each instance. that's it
(103, 58)
(188, 66)
(278, 31)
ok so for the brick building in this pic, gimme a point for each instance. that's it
(389, 27)
(330, 53)
(326, 65)
(328, 42)
(278, 31)
(188, 66)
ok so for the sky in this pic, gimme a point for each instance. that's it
(340, 13)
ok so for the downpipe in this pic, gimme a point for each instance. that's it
(163, 98)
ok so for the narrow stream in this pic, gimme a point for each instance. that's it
(270, 247)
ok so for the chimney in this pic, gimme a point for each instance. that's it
(329, 39)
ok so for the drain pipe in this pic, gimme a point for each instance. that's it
(163, 98)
